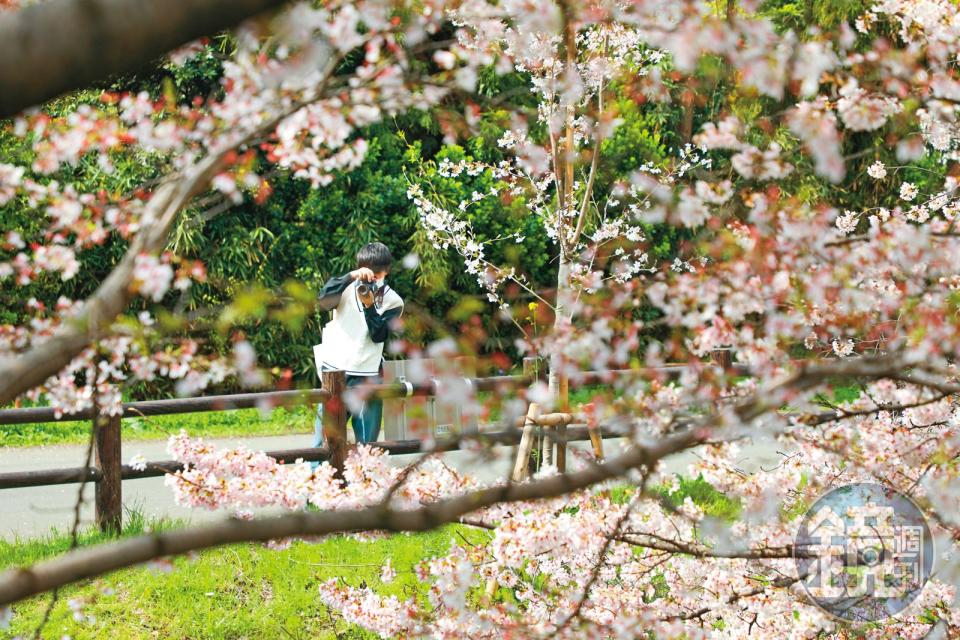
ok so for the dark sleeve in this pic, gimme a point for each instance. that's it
(330, 293)
(379, 325)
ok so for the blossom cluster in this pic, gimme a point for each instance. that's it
(242, 479)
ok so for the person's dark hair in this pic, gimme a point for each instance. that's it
(375, 256)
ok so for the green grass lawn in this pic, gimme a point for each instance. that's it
(241, 591)
(224, 424)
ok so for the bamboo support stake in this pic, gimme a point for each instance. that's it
(521, 467)
(551, 419)
(596, 441)
(594, 430)
(561, 460)
(548, 442)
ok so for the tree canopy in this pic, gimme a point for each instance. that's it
(612, 185)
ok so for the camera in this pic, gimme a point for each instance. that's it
(367, 287)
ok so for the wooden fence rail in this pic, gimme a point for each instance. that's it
(109, 471)
(74, 475)
(170, 407)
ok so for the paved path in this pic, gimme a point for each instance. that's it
(35, 511)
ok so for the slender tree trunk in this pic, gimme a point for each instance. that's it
(557, 378)
(557, 382)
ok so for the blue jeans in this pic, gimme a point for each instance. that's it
(366, 421)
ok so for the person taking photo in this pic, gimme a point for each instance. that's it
(364, 310)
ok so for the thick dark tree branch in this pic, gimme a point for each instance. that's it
(55, 46)
(94, 561)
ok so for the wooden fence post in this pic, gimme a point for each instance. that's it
(108, 498)
(335, 418)
(723, 358)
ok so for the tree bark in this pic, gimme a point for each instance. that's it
(108, 496)
(55, 46)
(557, 380)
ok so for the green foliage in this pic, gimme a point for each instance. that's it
(799, 15)
(641, 138)
(198, 77)
(841, 393)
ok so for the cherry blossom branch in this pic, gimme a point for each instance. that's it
(94, 561)
(661, 543)
(925, 379)
(25, 371)
(51, 47)
(815, 419)
(591, 178)
(601, 560)
(781, 583)
(584, 207)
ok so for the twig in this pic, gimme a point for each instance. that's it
(55, 595)
(601, 561)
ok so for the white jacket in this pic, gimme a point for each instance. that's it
(346, 343)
